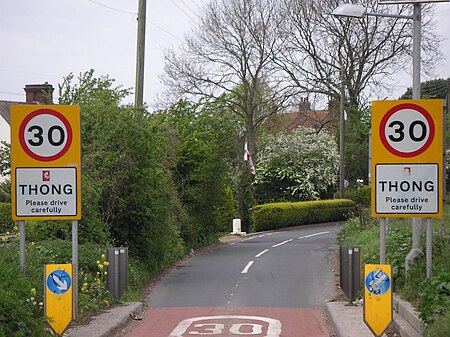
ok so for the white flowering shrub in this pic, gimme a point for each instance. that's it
(302, 165)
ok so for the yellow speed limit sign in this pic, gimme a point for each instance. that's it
(407, 158)
(46, 162)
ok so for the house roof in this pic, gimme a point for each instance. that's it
(315, 119)
(5, 109)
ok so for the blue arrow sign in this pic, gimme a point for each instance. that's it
(378, 282)
(59, 282)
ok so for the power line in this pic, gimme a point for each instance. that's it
(190, 9)
(164, 30)
(196, 5)
(134, 13)
(11, 93)
(112, 8)
(181, 9)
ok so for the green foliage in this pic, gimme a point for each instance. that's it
(203, 138)
(5, 191)
(22, 294)
(356, 150)
(439, 328)
(430, 296)
(48, 230)
(434, 301)
(437, 88)
(361, 196)
(5, 158)
(6, 223)
(128, 194)
(20, 307)
(225, 212)
(306, 171)
(287, 214)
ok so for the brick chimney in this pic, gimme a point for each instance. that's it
(39, 93)
(304, 105)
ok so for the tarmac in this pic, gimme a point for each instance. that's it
(347, 321)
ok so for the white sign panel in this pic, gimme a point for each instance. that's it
(43, 192)
(407, 188)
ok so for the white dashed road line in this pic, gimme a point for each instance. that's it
(247, 267)
(282, 243)
(263, 252)
(311, 235)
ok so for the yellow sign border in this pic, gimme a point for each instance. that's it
(378, 309)
(20, 159)
(432, 155)
(58, 309)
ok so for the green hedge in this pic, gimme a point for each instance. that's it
(6, 223)
(287, 214)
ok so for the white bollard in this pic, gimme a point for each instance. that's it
(236, 226)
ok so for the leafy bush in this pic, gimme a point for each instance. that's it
(361, 196)
(6, 223)
(20, 306)
(439, 328)
(5, 191)
(203, 136)
(434, 301)
(277, 215)
(306, 171)
(22, 294)
(128, 193)
(226, 211)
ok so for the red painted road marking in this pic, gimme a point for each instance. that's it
(232, 322)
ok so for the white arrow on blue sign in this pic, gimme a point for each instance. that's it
(58, 282)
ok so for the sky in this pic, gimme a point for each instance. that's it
(45, 40)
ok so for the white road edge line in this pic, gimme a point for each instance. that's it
(311, 235)
(247, 267)
(282, 243)
(263, 252)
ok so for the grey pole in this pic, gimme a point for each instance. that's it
(350, 277)
(429, 248)
(140, 54)
(22, 245)
(417, 18)
(382, 240)
(416, 222)
(75, 269)
(341, 128)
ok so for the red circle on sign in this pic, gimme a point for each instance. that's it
(392, 111)
(24, 144)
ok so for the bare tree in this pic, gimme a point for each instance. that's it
(231, 53)
(369, 51)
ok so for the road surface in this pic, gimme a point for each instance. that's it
(272, 285)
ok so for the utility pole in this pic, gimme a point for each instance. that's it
(140, 54)
(416, 222)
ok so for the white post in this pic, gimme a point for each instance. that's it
(237, 226)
